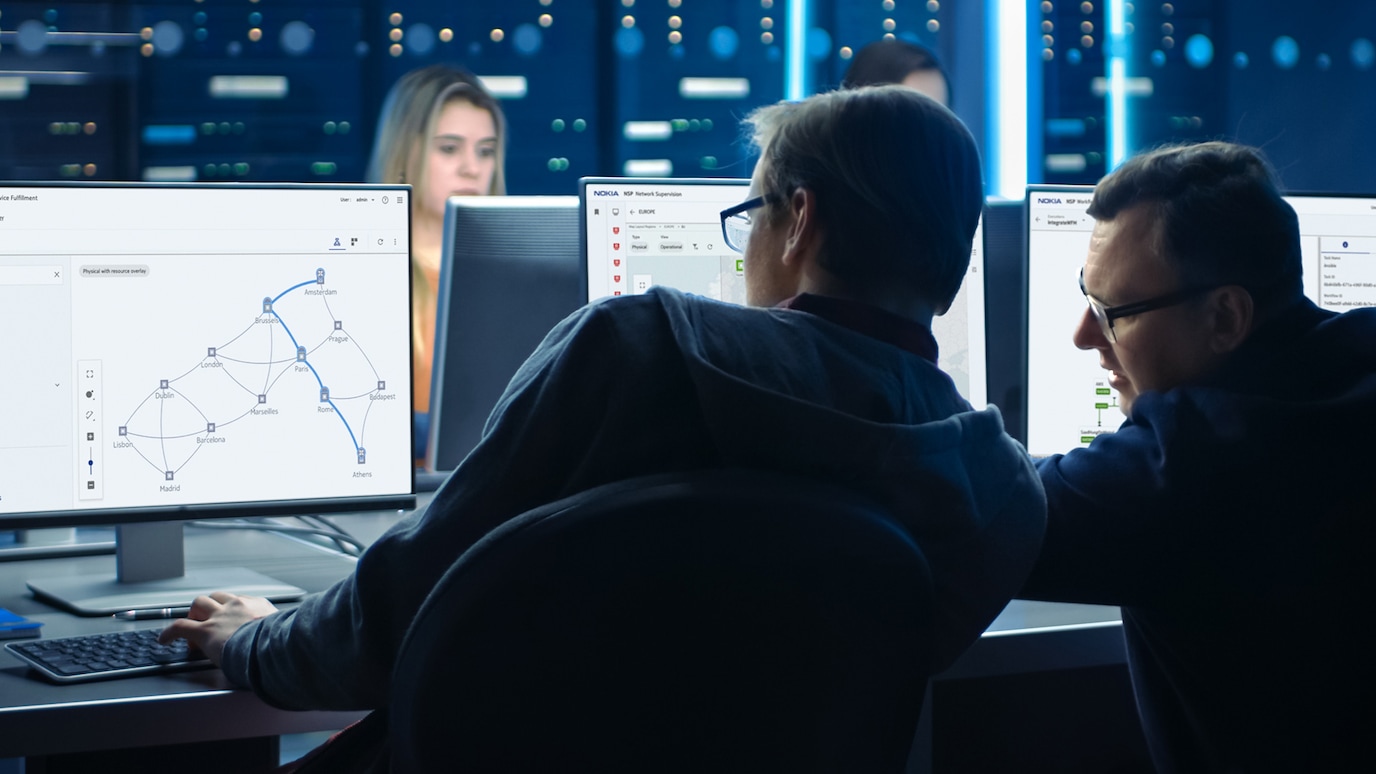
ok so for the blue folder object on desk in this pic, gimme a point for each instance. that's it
(17, 627)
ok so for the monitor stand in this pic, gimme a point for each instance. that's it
(150, 573)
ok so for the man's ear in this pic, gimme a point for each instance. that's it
(804, 234)
(1230, 314)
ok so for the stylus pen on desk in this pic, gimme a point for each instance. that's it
(151, 613)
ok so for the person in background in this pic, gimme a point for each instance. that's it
(1231, 514)
(900, 62)
(445, 135)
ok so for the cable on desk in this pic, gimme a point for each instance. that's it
(344, 543)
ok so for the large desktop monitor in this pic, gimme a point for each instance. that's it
(509, 272)
(189, 351)
(639, 232)
(1069, 401)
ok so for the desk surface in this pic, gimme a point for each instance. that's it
(40, 718)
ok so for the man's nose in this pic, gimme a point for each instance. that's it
(1089, 334)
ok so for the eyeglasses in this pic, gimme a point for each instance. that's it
(736, 222)
(1107, 314)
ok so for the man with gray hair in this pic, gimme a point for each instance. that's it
(856, 230)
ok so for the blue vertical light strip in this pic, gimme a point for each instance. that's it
(797, 84)
(1116, 52)
(1006, 116)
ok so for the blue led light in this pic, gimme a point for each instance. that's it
(1323, 61)
(1199, 51)
(169, 134)
(818, 44)
(1240, 60)
(1073, 56)
(1363, 54)
(296, 37)
(1285, 52)
(527, 40)
(723, 42)
(630, 41)
(421, 39)
(1158, 58)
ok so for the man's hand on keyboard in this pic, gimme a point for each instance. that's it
(214, 619)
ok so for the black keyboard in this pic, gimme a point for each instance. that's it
(102, 656)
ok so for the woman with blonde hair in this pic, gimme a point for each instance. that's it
(445, 135)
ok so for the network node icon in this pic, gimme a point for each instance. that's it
(339, 325)
(382, 385)
(320, 276)
(210, 352)
(167, 475)
(362, 455)
(123, 431)
(267, 305)
(300, 354)
(262, 399)
(163, 384)
(210, 427)
(324, 394)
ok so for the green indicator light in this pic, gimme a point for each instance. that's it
(207, 128)
(1100, 405)
(241, 168)
(330, 127)
(740, 265)
(557, 125)
(324, 168)
(579, 124)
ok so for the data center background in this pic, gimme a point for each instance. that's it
(129, 90)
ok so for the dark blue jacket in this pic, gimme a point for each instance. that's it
(665, 382)
(1233, 521)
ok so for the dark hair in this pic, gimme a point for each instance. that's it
(890, 61)
(1219, 217)
(897, 182)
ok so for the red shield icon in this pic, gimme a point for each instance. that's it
(616, 245)
(616, 278)
(616, 261)
(616, 229)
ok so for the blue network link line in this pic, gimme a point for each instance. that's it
(297, 346)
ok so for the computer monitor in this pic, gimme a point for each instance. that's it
(639, 232)
(191, 351)
(510, 271)
(1069, 399)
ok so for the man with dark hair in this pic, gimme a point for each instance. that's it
(834, 378)
(1230, 515)
(895, 61)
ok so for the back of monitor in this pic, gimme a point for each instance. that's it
(511, 270)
